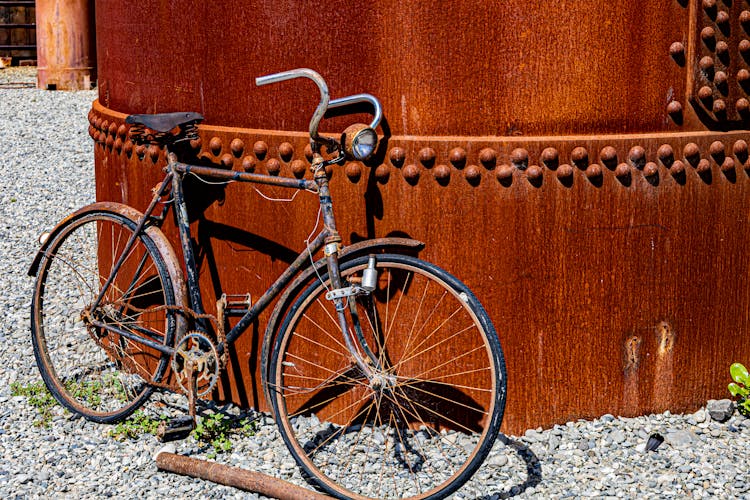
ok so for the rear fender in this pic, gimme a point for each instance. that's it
(168, 254)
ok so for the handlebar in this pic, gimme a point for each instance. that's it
(325, 102)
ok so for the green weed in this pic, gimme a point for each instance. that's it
(39, 397)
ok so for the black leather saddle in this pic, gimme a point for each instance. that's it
(164, 122)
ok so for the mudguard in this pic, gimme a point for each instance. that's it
(377, 245)
(168, 254)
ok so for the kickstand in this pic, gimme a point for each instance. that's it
(181, 427)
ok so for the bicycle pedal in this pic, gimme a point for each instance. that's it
(175, 429)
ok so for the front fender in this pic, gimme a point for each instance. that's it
(377, 245)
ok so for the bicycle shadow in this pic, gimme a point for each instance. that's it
(533, 470)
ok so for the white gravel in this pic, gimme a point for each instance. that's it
(46, 162)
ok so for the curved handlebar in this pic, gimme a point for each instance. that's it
(303, 73)
(325, 102)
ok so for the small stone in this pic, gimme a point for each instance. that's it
(617, 436)
(680, 438)
(720, 410)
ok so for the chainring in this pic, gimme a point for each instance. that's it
(198, 349)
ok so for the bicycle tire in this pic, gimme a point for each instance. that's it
(94, 372)
(415, 430)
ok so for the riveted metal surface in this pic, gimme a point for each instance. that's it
(564, 160)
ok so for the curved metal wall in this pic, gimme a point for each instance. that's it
(582, 166)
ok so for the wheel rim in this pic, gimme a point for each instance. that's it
(91, 370)
(420, 427)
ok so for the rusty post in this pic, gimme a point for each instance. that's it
(234, 476)
(65, 44)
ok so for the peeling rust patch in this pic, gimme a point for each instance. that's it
(632, 353)
(665, 338)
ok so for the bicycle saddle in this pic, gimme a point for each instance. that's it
(164, 122)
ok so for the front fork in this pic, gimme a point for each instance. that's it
(351, 333)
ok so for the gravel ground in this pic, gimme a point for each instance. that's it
(47, 163)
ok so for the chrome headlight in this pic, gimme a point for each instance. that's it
(360, 141)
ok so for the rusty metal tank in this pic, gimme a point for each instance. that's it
(583, 166)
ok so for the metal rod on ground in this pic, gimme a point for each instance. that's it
(234, 476)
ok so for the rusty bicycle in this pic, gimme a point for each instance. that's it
(358, 361)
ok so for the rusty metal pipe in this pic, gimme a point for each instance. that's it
(233, 476)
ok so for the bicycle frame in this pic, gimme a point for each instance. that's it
(328, 238)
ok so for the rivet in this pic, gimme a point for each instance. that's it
(91, 117)
(742, 105)
(691, 151)
(196, 143)
(504, 173)
(743, 76)
(740, 150)
(273, 166)
(286, 150)
(722, 17)
(383, 173)
(608, 155)
(457, 156)
(102, 138)
(550, 157)
(411, 173)
(744, 46)
(227, 160)
(580, 157)
(488, 158)
(248, 164)
(519, 157)
(98, 122)
(564, 171)
(473, 174)
(674, 109)
(745, 18)
(127, 148)
(104, 126)
(705, 93)
(237, 147)
(109, 141)
(298, 168)
(637, 156)
(717, 150)
(650, 169)
(397, 156)
(92, 132)
(719, 107)
(722, 48)
(260, 148)
(677, 168)
(720, 78)
(534, 172)
(706, 63)
(215, 145)
(308, 153)
(622, 170)
(353, 171)
(703, 166)
(153, 152)
(593, 171)
(118, 145)
(727, 165)
(665, 154)
(677, 51)
(112, 129)
(427, 157)
(708, 35)
(442, 173)
(140, 150)
(122, 131)
(709, 4)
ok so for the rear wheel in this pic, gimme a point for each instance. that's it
(425, 419)
(93, 370)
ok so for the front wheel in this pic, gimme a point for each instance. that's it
(88, 366)
(424, 419)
